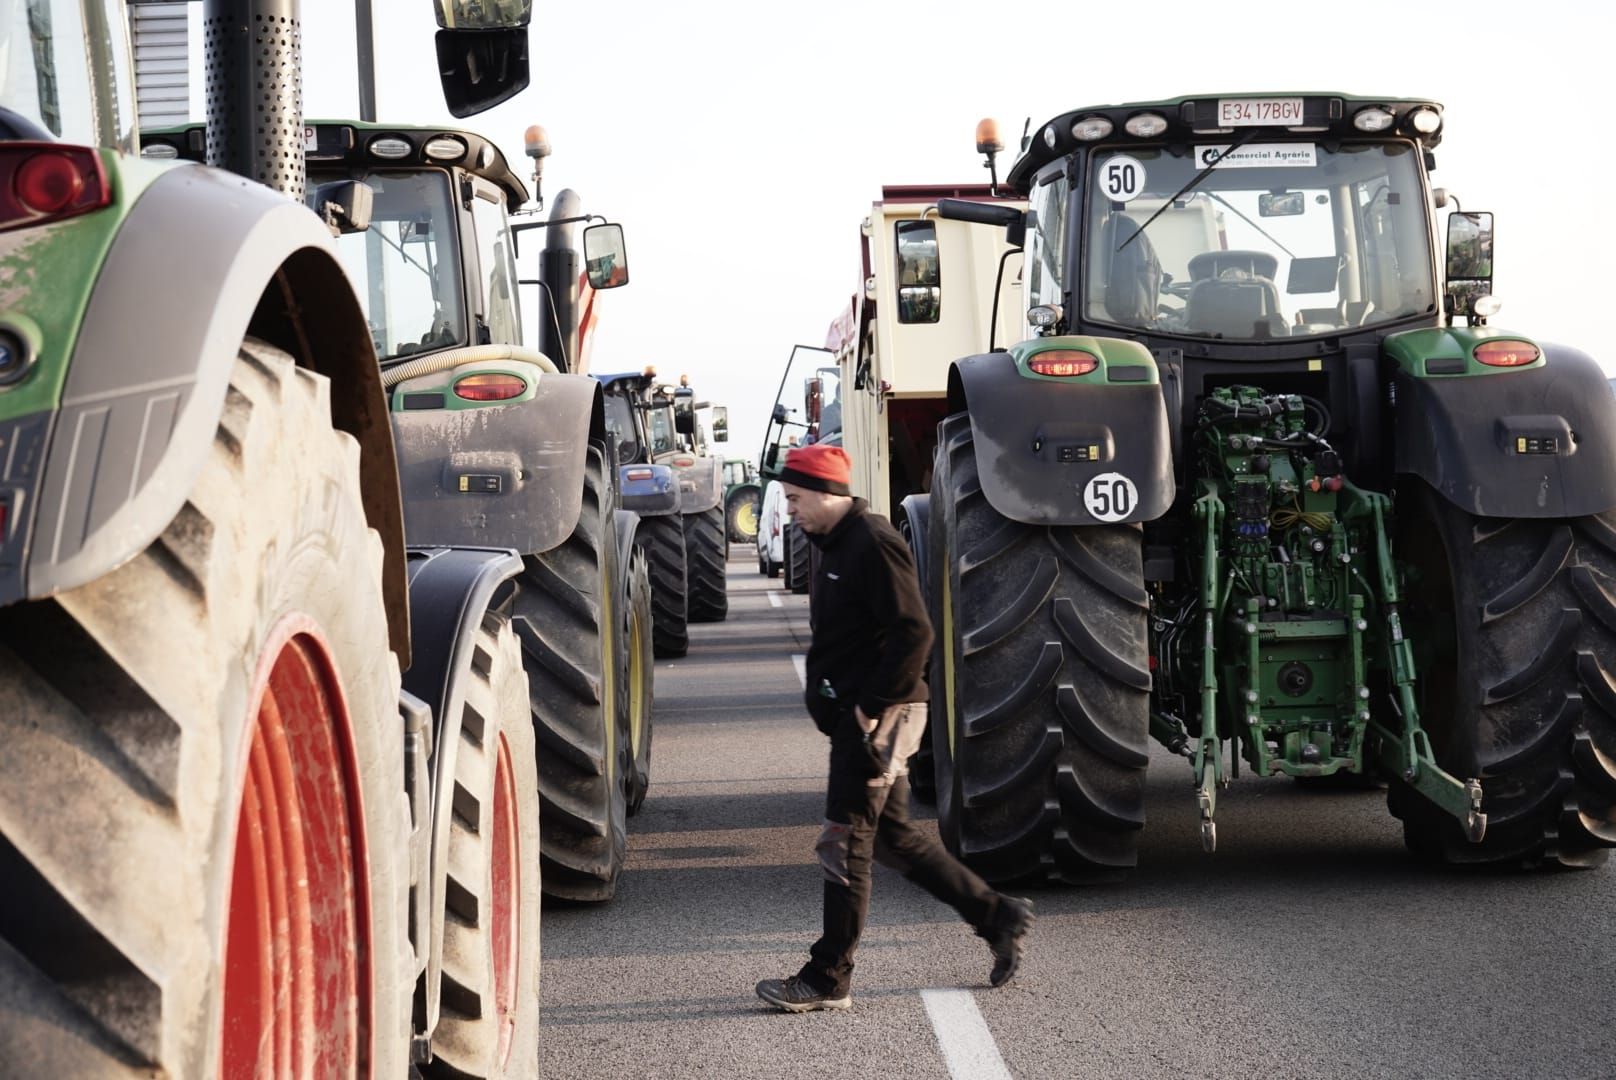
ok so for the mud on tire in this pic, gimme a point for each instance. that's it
(565, 617)
(706, 551)
(1040, 684)
(1516, 623)
(126, 710)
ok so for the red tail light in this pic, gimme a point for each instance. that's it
(684, 462)
(44, 182)
(1505, 353)
(490, 386)
(1063, 362)
(638, 474)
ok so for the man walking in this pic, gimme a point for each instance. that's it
(864, 690)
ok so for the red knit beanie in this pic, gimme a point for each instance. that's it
(819, 468)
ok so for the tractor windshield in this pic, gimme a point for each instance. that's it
(1280, 240)
(406, 266)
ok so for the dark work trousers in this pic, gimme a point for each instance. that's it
(865, 820)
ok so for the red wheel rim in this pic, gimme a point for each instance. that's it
(296, 964)
(506, 910)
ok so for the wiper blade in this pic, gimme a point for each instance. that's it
(1251, 133)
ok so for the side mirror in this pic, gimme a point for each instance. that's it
(770, 457)
(345, 205)
(684, 416)
(720, 423)
(483, 14)
(1281, 204)
(481, 68)
(1470, 246)
(605, 257)
(920, 279)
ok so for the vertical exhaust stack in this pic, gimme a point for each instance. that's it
(558, 269)
(254, 57)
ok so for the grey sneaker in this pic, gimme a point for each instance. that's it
(1015, 919)
(795, 996)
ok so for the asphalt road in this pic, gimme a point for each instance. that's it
(1309, 945)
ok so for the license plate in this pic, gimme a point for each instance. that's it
(1259, 112)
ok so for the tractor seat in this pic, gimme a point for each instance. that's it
(1235, 305)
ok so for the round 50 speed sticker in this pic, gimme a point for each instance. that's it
(1122, 178)
(1110, 497)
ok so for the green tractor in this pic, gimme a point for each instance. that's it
(1261, 483)
(743, 497)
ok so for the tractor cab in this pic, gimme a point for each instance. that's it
(1241, 228)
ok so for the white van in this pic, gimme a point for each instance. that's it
(771, 534)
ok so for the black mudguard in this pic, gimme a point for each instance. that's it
(450, 590)
(1462, 436)
(1021, 425)
(628, 523)
(508, 476)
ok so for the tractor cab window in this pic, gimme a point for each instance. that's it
(496, 267)
(664, 440)
(66, 73)
(1282, 240)
(407, 265)
(621, 429)
(1045, 250)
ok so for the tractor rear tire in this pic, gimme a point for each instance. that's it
(488, 1025)
(203, 825)
(638, 680)
(1520, 686)
(741, 515)
(797, 570)
(663, 540)
(1040, 684)
(565, 612)
(923, 765)
(706, 551)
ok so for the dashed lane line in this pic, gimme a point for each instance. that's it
(800, 662)
(774, 599)
(967, 1044)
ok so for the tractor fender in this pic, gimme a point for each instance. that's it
(509, 476)
(701, 485)
(203, 258)
(450, 590)
(1023, 429)
(649, 496)
(628, 523)
(1463, 436)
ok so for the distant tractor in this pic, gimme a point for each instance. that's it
(743, 498)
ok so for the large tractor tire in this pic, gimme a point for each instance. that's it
(638, 679)
(202, 809)
(797, 569)
(923, 765)
(707, 550)
(1516, 621)
(1040, 684)
(663, 540)
(741, 514)
(565, 612)
(489, 1023)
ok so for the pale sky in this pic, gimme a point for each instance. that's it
(740, 144)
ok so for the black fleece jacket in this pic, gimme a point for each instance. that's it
(871, 635)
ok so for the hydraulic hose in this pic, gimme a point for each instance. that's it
(454, 358)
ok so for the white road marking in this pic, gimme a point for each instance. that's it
(774, 599)
(967, 1044)
(800, 662)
